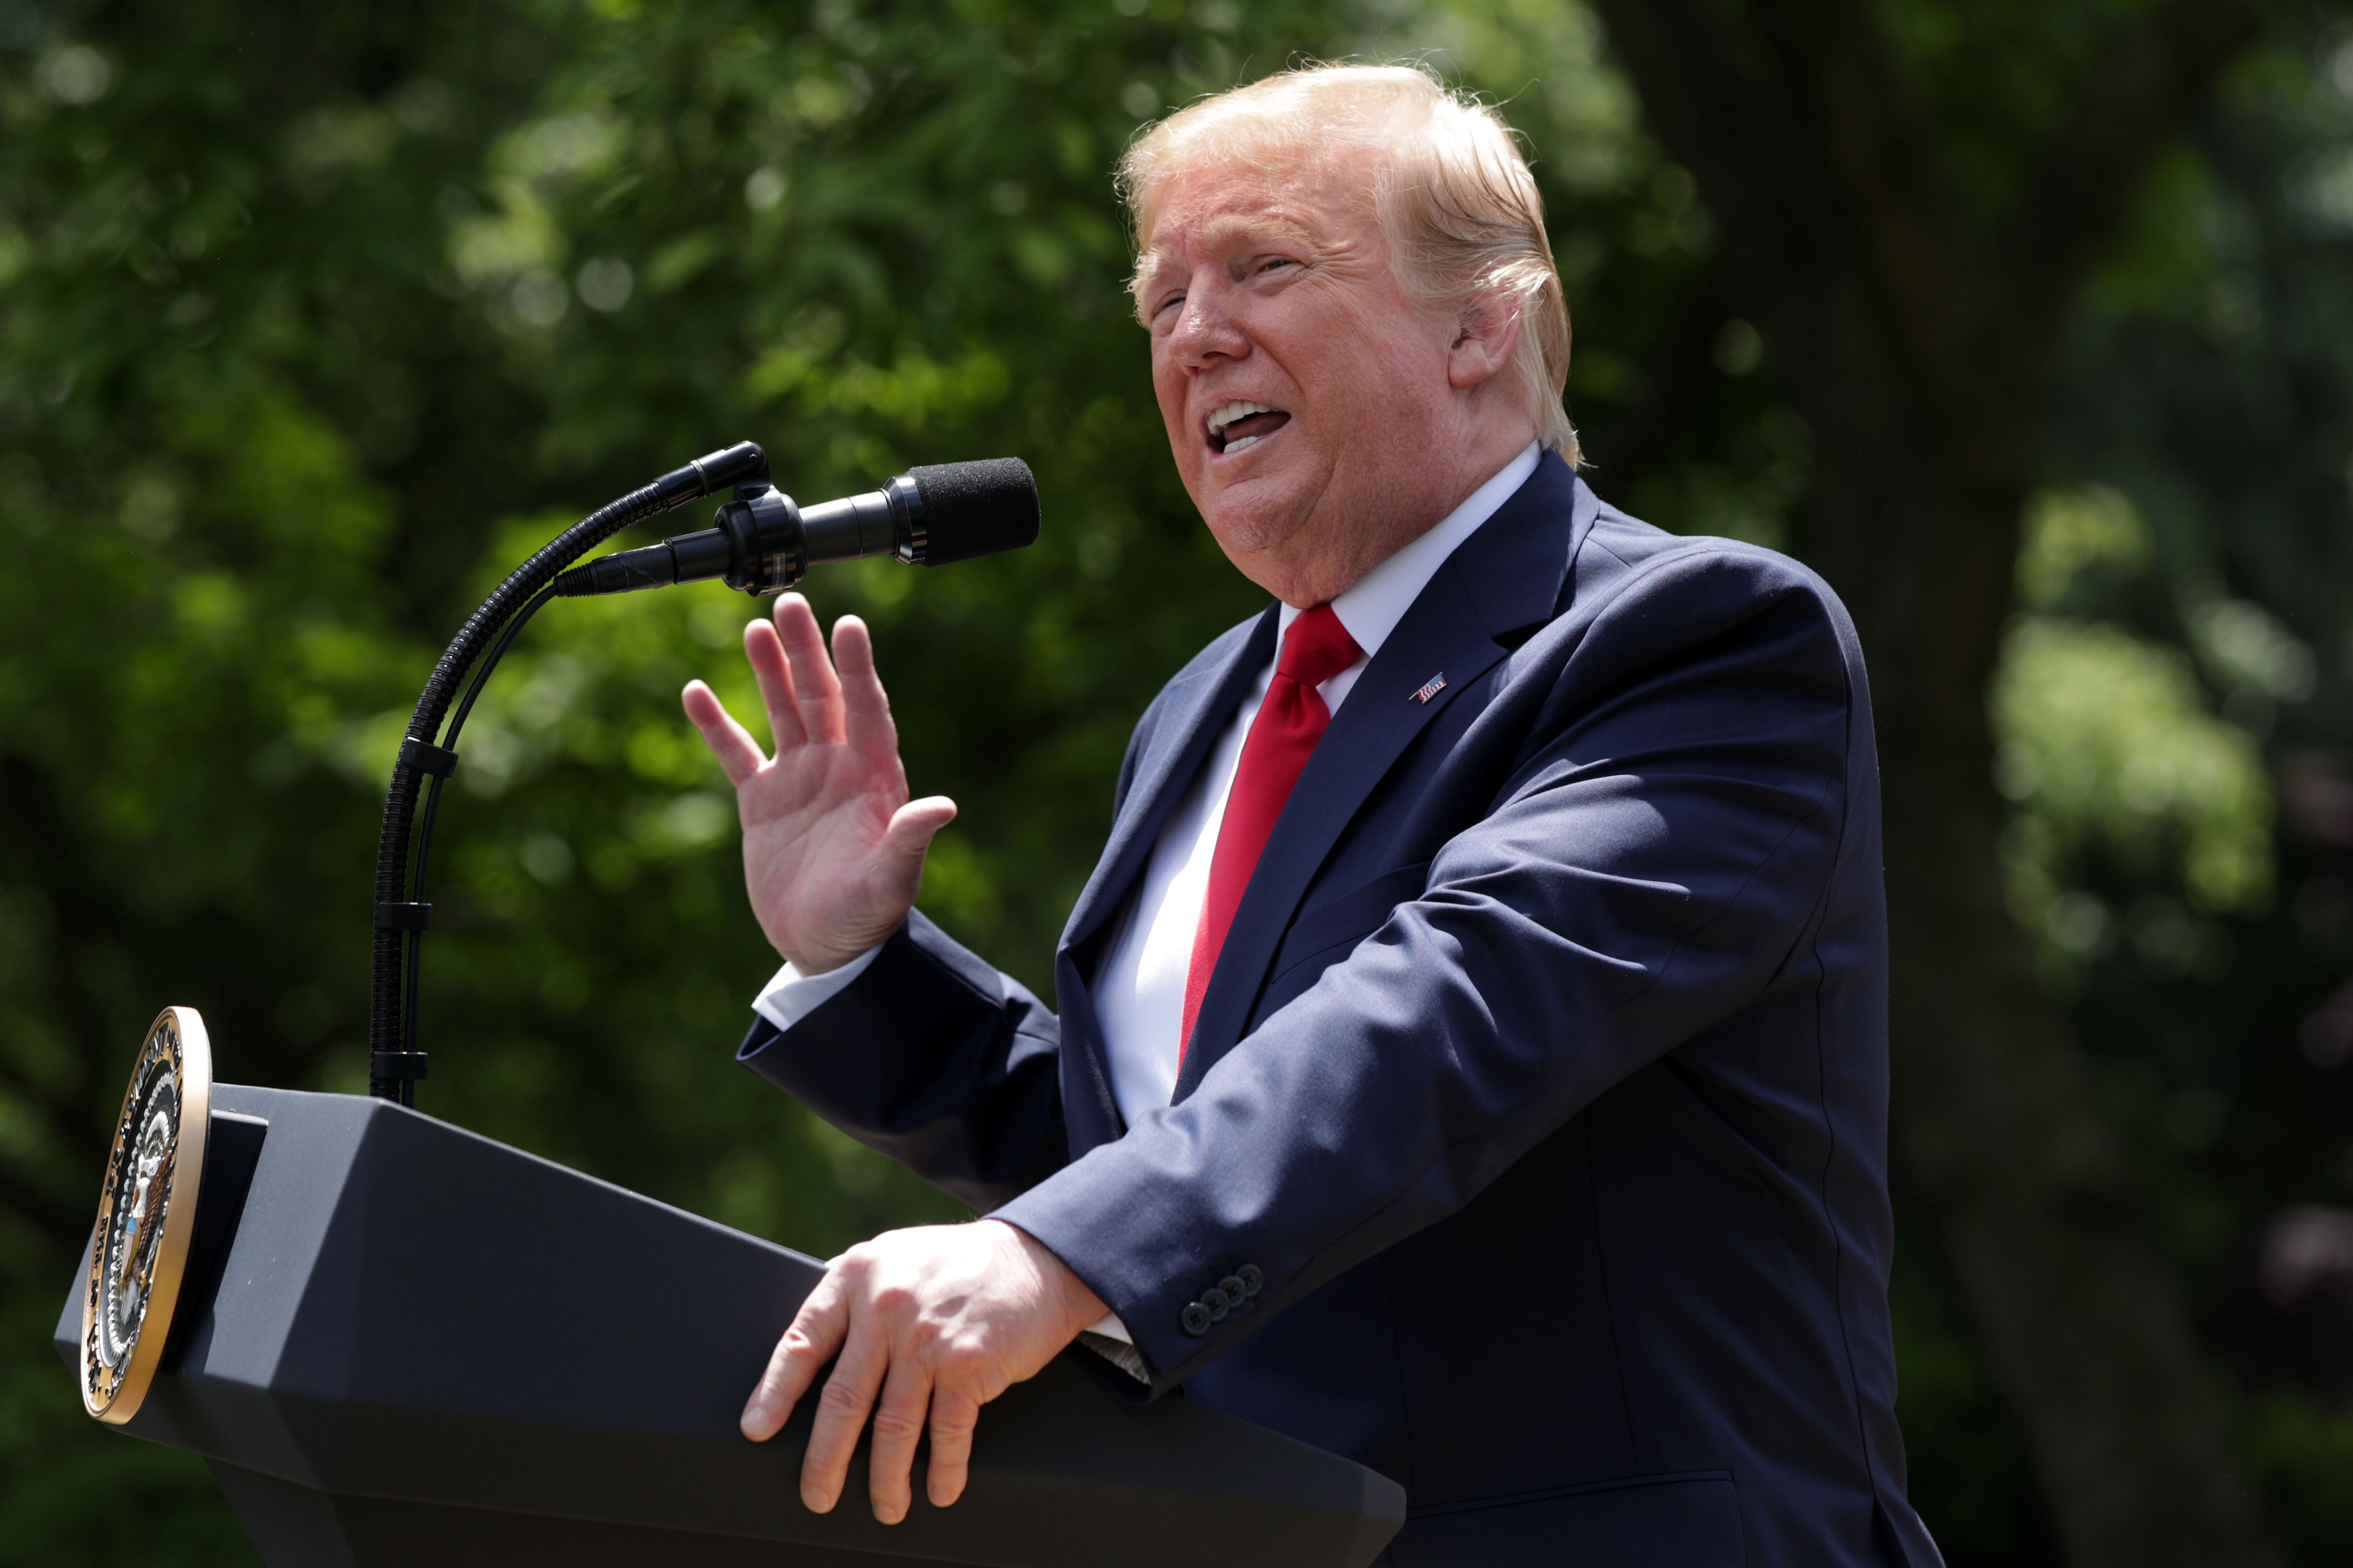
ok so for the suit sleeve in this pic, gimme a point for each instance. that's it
(932, 1058)
(936, 1058)
(1663, 842)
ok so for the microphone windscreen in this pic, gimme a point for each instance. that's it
(975, 509)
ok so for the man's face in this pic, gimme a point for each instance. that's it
(1306, 397)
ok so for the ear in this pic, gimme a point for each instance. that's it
(1484, 341)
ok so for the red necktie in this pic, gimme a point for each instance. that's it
(1281, 738)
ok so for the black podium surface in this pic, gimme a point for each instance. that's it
(400, 1343)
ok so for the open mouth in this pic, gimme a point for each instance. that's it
(1239, 424)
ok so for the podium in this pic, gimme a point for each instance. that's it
(400, 1343)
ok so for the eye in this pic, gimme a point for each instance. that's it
(1167, 303)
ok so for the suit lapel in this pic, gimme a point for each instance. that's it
(1505, 576)
(1198, 705)
(1201, 704)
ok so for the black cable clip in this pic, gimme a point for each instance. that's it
(404, 917)
(395, 1065)
(427, 758)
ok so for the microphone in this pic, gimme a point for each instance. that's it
(762, 543)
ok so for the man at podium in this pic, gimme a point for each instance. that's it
(1471, 1054)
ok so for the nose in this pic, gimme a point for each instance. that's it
(1205, 331)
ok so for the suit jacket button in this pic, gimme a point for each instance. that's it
(1234, 1290)
(1251, 1277)
(1218, 1304)
(1194, 1319)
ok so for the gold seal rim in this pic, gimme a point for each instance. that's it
(194, 1082)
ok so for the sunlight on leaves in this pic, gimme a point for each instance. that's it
(2107, 747)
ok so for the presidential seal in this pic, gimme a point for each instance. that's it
(145, 1214)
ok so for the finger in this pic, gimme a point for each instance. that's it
(897, 1427)
(739, 754)
(866, 710)
(841, 1407)
(817, 1330)
(813, 677)
(770, 668)
(912, 829)
(954, 1414)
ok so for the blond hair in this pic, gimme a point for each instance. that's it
(1456, 204)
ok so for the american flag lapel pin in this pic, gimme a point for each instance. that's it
(1430, 687)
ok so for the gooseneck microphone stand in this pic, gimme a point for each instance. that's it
(402, 915)
(761, 542)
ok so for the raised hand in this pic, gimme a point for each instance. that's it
(833, 849)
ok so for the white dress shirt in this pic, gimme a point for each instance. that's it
(1139, 992)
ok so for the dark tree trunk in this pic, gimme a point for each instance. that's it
(1918, 351)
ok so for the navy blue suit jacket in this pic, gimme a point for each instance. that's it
(1542, 1080)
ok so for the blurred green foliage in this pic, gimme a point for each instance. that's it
(314, 320)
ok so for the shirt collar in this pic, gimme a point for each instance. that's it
(1378, 601)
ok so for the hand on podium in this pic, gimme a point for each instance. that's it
(833, 849)
(940, 1320)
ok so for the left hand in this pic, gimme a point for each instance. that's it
(940, 1319)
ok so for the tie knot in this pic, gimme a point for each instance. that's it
(1316, 647)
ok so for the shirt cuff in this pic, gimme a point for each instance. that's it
(1108, 1338)
(791, 995)
(1119, 1353)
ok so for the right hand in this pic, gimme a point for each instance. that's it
(833, 849)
